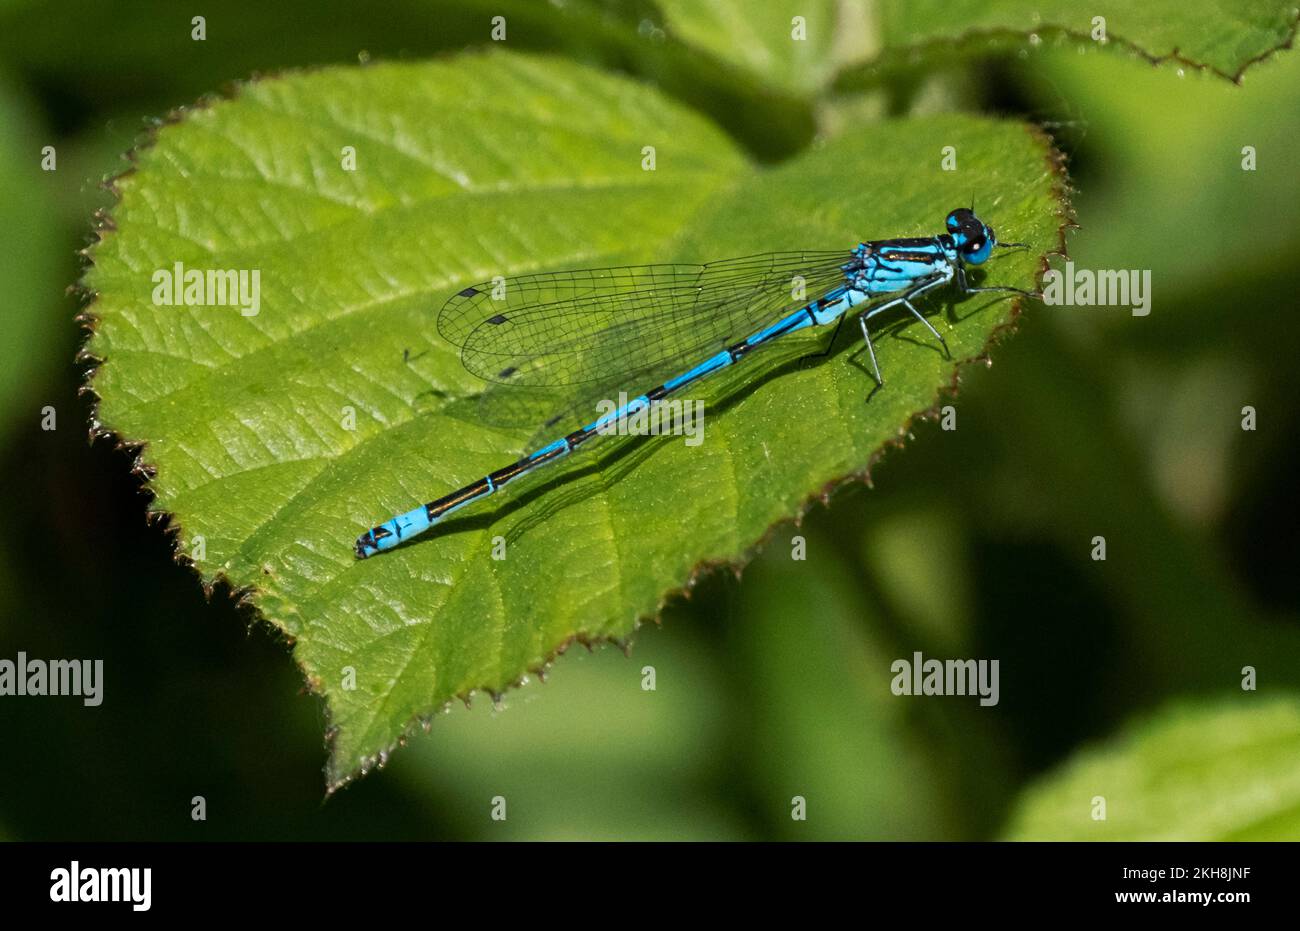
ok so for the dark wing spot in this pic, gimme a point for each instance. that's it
(498, 319)
(506, 373)
(469, 292)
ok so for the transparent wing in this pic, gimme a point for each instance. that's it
(596, 327)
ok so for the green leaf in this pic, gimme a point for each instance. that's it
(95, 46)
(1192, 772)
(467, 169)
(866, 40)
(797, 45)
(1224, 37)
(822, 723)
(1148, 127)
(634, 764)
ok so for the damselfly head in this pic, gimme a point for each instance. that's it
(973, 237)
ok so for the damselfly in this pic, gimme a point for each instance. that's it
(607, 327)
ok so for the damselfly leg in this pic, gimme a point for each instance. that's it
(933, 281)
(830, 343)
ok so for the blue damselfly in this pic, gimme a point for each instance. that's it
(610, 326)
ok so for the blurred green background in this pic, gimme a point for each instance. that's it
(1118, 678)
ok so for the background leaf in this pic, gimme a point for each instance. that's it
(859, 36)
(96, 56)
(655, 751)
(1225, 38)
(1198, 772)
(762, 39)
(823, 719)
(488, 165)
